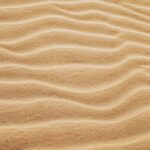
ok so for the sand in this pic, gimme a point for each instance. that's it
(74, 75)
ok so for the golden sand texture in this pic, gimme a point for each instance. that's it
(74, 74)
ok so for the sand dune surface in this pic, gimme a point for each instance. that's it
(75, 75)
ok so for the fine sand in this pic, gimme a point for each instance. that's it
(74, 74)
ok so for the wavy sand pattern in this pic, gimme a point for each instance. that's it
(75, 75)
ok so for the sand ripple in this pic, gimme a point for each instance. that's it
(74, 75)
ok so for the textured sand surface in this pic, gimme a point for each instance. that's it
(74, 74)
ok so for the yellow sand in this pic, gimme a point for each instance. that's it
(74, 74)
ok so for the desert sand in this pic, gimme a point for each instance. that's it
(74, 74)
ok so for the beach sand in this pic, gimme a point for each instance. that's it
(74, 74)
